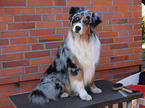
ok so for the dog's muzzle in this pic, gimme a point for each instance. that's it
(78, 28)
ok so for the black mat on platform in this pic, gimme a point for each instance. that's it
(108, 97)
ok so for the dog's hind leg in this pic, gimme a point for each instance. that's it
(67, 91)
(64, 94)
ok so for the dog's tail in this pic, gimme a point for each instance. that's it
(38, 97)
(45, 92)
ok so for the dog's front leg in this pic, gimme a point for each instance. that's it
(77, 84)
(93, 87)
(78, 87)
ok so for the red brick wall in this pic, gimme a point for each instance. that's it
(32, 30)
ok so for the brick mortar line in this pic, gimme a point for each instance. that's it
(4, 31)
(68, 27)
(53, 2)
(21, 52)
(61, 41)
(37, 41)
(120, 18)
(14, 61)
(39, 69)
(26, 3)
(118, 31)
(51, 53)
(20, 12)
(25, 70)
(11, 53)
(13, 18)
(27, 22)
(25, 52)
(66, 13)
(67, 20)
(49, 56)
(5, 97)
(15, 89)
(54, 56)
(114, 68)
(6, 27)
(85, 6)
(19, 75)
(120, 49)
(112, 2)
(48, 64)
(5, 105)
(119, 62)
(33, 36)
(33, 73)
(124, 24)
(121, 43)
(118, 56)
(35, 29)
(35, 24)
(66, 3)
(91, 5)
(34, 21)
(41, 17)
(119, 73)
(10, 77)
(8, 42)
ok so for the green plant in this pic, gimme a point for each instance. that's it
(143, 49)
(143, 29)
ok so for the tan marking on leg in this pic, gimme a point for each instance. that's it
(92, 84)
(93, 87)
(67, 88)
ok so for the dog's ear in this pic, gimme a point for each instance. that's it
(95, 20)
(72, 11)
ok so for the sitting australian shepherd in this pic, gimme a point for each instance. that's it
(73, 67)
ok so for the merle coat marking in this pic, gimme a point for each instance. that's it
(73, 67)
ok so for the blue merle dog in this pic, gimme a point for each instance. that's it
(74, 65)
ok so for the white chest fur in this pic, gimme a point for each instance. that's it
(87, 54)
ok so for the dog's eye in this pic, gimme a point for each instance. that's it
(87, 22)
(76, 19)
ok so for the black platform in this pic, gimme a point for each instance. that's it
(107, 97)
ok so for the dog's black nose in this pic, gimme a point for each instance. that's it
(78, 28)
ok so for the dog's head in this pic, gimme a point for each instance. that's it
(83, 21)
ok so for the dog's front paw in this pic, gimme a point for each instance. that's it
(96, 90)
(86, 97)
